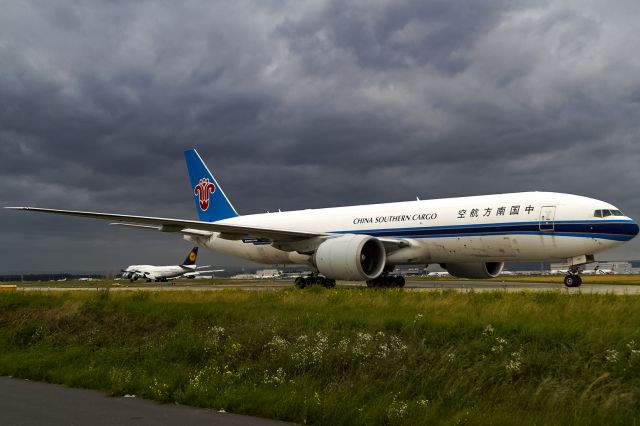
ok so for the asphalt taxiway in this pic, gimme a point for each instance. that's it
(28, 403)
(411, 285)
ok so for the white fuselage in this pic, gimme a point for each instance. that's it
(154, 272)
(527, 226)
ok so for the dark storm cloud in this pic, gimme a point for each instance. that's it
(390, 35)
(303, 104)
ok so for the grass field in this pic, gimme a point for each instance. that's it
(341, 356)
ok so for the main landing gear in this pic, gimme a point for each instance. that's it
(572, 279)
(302, 282)
(387, 281)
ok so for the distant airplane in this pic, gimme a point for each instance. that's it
(598, 271)
(188, 269)
(470, 237)
(438, 274)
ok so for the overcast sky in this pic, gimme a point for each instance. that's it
(300, 105)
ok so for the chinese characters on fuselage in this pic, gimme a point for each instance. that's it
(499, 211)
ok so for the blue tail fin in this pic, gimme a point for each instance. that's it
(211, 203)
(191, 257)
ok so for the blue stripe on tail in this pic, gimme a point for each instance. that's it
(211, 202)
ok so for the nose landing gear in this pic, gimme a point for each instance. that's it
(572, 279)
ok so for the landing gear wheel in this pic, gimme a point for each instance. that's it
(300, 283)
(328, 283)
(386, 281)
(572, 280)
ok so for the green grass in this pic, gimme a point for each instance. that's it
(341, 356)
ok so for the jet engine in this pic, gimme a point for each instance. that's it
(474, 270)
(350, 257)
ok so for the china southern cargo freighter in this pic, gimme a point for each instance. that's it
(471, 237)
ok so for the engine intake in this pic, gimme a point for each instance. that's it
(350, 257)
(474, 270)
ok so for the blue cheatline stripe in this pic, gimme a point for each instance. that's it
(623, 230)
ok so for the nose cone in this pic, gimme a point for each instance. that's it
(634, 229)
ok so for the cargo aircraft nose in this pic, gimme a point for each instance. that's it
(634, 229)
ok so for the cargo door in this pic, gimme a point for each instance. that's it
(547, 217)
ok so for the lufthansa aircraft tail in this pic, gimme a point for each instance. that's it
(211, 202)
(191, 257)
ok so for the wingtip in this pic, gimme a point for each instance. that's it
(16, 208)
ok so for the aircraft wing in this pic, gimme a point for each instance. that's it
(196, 273)
(200, 228)
(178, 225)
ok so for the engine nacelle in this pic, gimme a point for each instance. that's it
(350, 257)
(474, 270)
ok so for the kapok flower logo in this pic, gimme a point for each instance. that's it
(202, 191)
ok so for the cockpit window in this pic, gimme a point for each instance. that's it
(605, 213)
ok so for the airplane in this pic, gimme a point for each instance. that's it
(438, 274)
(598, 271)
(470, 237)
(187, 269)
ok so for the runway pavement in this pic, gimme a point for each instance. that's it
(478, 286)
(412, 285)
(27, 403)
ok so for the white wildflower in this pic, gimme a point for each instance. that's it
(343, 345)
(611, 355)
(488, 330)
(397, 409)
(277, 345)
(361, 347)
(383, 351)
(422, 402)
(499, 346)
(320, 348)
(277, 378)
(515, 363)
(214, 335)
(397, 345)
